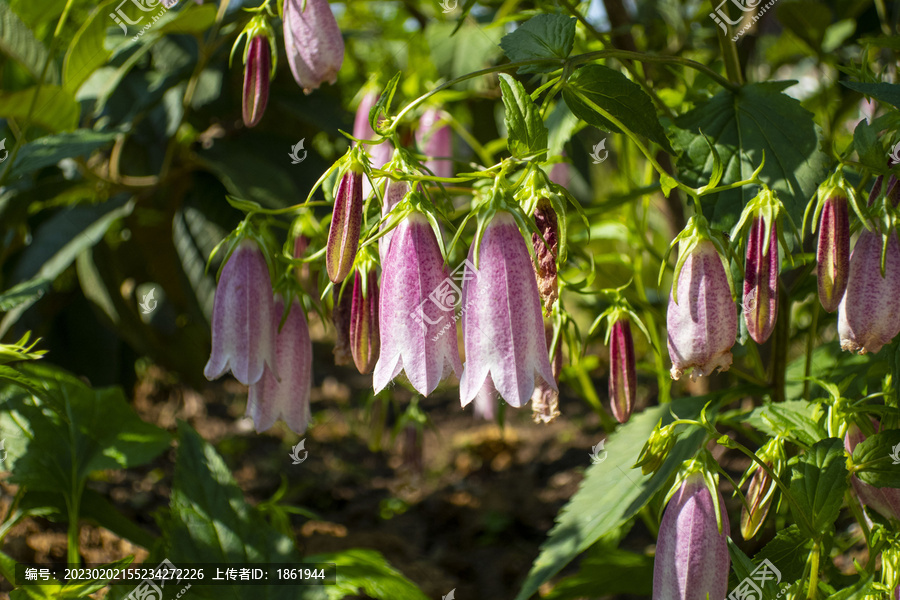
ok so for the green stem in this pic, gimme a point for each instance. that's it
(637, 56)
(813, 572)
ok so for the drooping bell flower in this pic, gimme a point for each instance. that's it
(435, 142)
(416, 324)
(288, 399)
(364, 338)
(869, 314)
(886, 500)
(622, 374)
(486, 402)
(313, 43)
(545, 249)
(257, 70)
(545, 399)
(346, 221)
(833, 253)
(379, 154)
(340, 318)
(761, 280)
(393, 194)
(691, 553)
(502, 327)
(242, 333)
(702, 325)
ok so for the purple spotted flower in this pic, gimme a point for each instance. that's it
(869, 314)
(242, 332)
(691, 554)
(702, 325)
(502, 326)
(418, 332)
(313, 43)
(288, 399)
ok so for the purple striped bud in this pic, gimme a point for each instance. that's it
(435, 143)
(885, 501)
(417, 335)
(869, 314)
(288, 399)
(833, 256)
(340, 317)
(346, 220)
(761, 281)
(702, 326)
(759, 498)
(313, 43)
(545, 249)
(691, 554)
(364, 339)
(622, 375)
(502, 326)
(242, 333)
(256, 80)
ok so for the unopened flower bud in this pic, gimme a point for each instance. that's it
(346, 221)
(761, 280)
(313, 42)
(364, 338)
(622, 375)
(256, 80)
(833, 255)
(657, 448)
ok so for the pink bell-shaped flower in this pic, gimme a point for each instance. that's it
(313, 43)
(242, 333)
(502, 326)
(393, 194)
(435, 142)
(416, 320)
(287, 399)
(691, 554)
(869, 314)
(702, 325)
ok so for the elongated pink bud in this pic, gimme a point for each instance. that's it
(416, 320)
(288, 399)
(502, 326)
(691, 555)
(242, 332)
(256, 80)
(885, 501)
(869, 314)
(759, 497)
(622, 375)
(346, 220)
(833, 255)
(545, 249)
(702, 326)
(313, 43)
(364, 337)
(435, 142)
(340, 318)
(761, 281)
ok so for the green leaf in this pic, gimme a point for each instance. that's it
(818, 483)
(194, 19)
(743, 568)
(859, 591)
(793, 419)
(525, 129)
(883, 92)
(787, 551)
(868, 148)
(19, 43)
(756, 119)
(876, 455)
(55, 109)
(608, 571)
(617, 95)
(612, 492)
(56, 244)
(51, 149)
(807, 20)
(541, 37)
(87, 52)
(366, 571)
(28, 291)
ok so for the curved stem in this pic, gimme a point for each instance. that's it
(640, 57)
